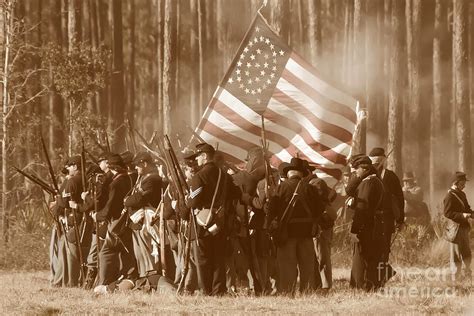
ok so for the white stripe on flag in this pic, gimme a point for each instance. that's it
(316, 109)
(240, 108)
(324, 88)
(316, 134)
(224, 146)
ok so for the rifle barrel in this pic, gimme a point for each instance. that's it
(83, 165)
(36, 180)
(50, 167)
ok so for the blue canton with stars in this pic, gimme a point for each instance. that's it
(257, 67)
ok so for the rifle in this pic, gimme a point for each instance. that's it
(253, 263)
(181, 187)
(162, 235)
(50, 167)
(83, 165)
(152, 138)
(130, 134)
(142, 138)
(79, 246)
(96, 227)
(107, 141)
(269, 180)
(187, 257)
(36, 180)
(92, 157)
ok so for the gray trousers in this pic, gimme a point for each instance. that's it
(322, 247)
(65, 262)
(296, 254)
(460, 255)
(142, 248)
(92, 257)
(55, 262)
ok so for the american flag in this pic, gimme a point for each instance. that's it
(304, 115)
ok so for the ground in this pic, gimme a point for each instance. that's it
(414, 290)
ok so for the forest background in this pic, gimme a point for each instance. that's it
(74, 69)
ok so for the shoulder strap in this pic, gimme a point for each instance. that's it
(381, 195)
(217, 189)
(289, 207)
(457, 197)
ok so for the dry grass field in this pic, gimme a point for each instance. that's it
(416, 289)
(413, 291)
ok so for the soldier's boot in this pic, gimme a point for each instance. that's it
(90, 278)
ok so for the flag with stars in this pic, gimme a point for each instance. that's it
(304, 115)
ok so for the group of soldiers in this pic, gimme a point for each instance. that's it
(194, 222)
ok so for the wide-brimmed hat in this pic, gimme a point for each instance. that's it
(116, 160)
(459, 176)
(127, 157)
(407, 176)
(309, 167)
(296, 164)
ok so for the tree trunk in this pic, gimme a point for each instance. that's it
(167, 59)
(396, 89)
(73, 38)
(32, 36)
(176, 52)
(378, 108)
(222, 34)
(118, 106)
(471, 59)
(195, 96)
(130, 107)
(279, 13)
(439, 134)
(413, 107)
(7, 21)
(73, 23)
(314, 30)
(200, 23)
(425, 91)
(86, 36)
(160, 65)
(347, 50)
(372, 57)
(461, 77)
(56, 112)
(359, 74)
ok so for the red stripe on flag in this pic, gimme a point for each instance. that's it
(219, 133)
(246, 125)
(327, 104)
(323, 150)
(241, 122)
(349, 113)
(323, 126)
